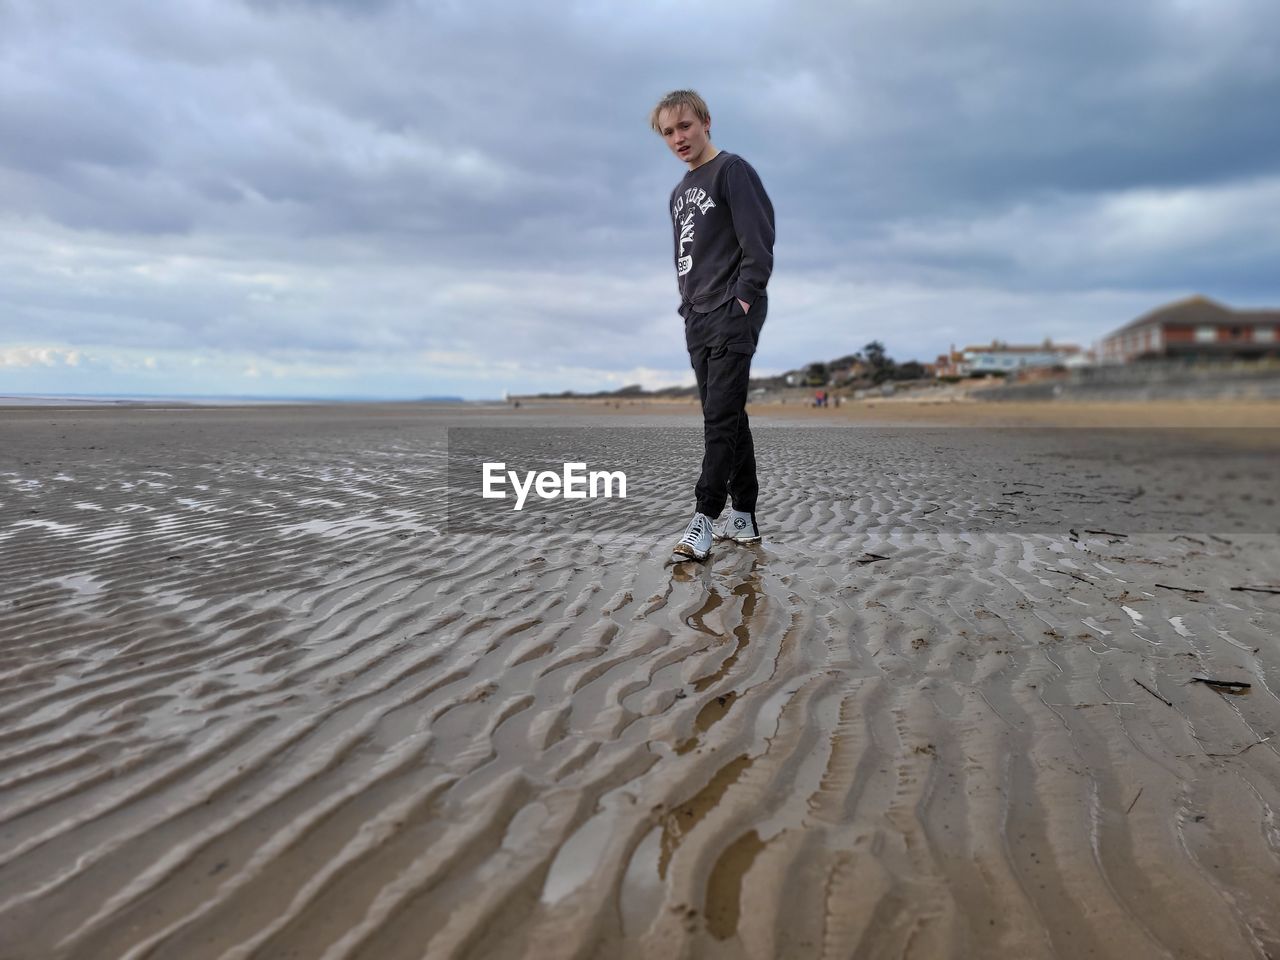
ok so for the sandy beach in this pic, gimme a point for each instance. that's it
(264, 695)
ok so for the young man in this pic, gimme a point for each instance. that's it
(723, 225)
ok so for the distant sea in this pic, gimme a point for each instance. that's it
(108, 399)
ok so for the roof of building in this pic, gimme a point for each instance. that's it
(1197, 310)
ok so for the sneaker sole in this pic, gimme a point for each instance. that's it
(688, 553)
(724, 536)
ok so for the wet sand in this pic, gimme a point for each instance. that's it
(258, 699)
(922, 410)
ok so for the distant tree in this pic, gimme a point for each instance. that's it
(911, 370)
(848, 360)
(880, 363)
(815, 375)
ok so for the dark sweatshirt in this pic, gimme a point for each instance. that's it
(723, 224)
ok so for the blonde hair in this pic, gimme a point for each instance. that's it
(680, 98)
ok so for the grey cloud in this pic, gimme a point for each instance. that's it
(954, 106)
(493, 138)
(355, 8)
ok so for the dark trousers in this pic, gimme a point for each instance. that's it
(721, 344)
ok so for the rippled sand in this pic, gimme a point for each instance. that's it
(257, 700)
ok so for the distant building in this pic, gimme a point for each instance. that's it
(998, 357)
(949, 364)
(1085, 358)
(1195, 328)
(839, 374)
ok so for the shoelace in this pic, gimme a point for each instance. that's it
(694, 533)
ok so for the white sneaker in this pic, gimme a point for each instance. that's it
(696, 542)
(739, 527)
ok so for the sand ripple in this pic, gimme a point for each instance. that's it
(258, 701)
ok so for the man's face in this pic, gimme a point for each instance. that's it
(686, 135)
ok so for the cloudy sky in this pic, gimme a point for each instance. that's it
(417, 197)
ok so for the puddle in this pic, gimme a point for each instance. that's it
(724, 887)
(579, 857)
(112, 538)
(1232, 640)
(712, 712)
(321, 502)
(57, 529)
(203, 506)
(84, 584)
(344, 526)
(641, 894)
(677, 824)
(697, 621)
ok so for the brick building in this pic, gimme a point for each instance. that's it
(1195, 328)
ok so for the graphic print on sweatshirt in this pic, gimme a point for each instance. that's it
(692, 201)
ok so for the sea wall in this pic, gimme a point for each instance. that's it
(1148, 381)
